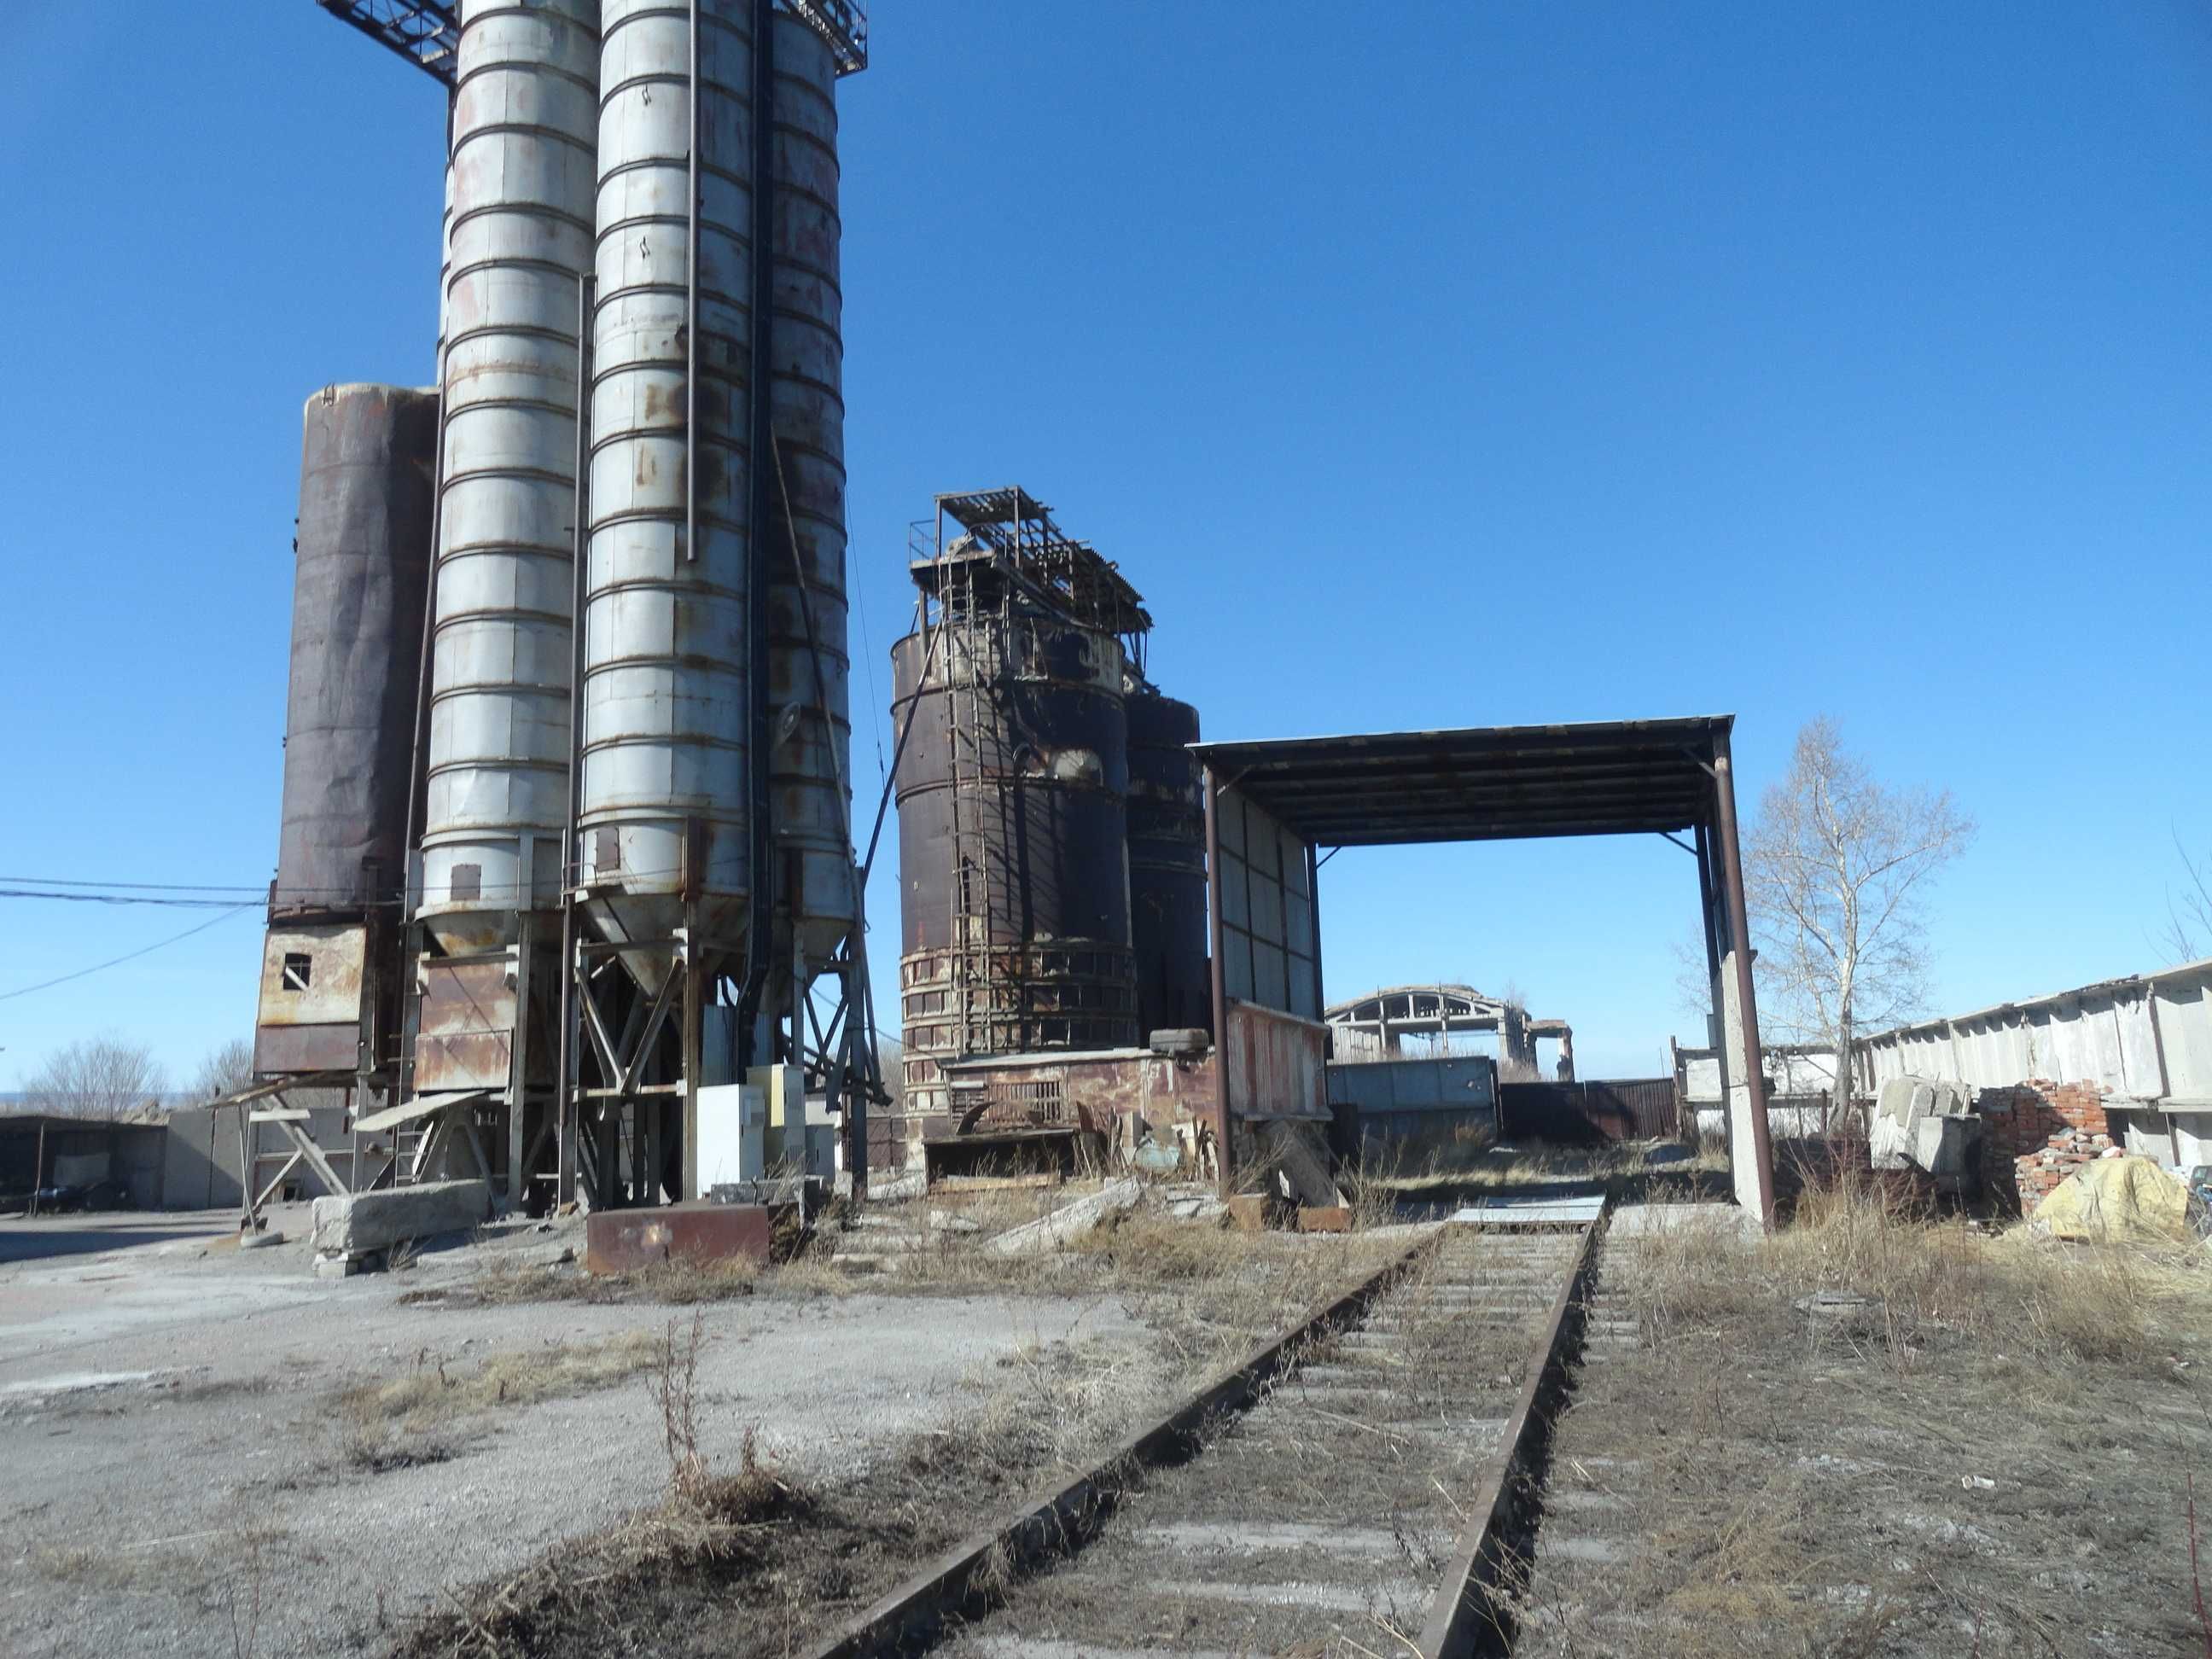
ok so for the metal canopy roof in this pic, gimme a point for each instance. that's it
(1481, 783)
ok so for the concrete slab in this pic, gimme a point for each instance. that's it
(1531, 1212)
(1260, 1537)
(1324, 1598)
(1600, 1552)
(1070, 1221)
(352, 1223)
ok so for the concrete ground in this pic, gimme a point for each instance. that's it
(174, 1475)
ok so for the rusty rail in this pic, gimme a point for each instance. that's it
(1464, 1611)
(1062, 1516)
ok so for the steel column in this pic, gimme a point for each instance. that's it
(1221, 1139)
(1731, 859)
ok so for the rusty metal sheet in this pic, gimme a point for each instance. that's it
(466, 1039)
(306, 1047)
(1100, 1090)
(312, 973)
(624, 1241)
(1276, 1063)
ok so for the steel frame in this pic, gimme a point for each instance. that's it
(425, 32)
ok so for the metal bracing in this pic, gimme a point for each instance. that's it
(266, 1102)
(843, 24)
(425, 32)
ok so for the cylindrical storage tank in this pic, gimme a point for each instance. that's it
(525, 127)
(1167, 864)
(358, 590)
(811, 729)
(1023, 915)
(665, 636)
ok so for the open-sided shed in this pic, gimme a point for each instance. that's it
(1273, 808)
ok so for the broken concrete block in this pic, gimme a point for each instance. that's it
(1250, 1212)
(1303, 1165)
(1069, 1222)
(352, 1223)
(338, 1267)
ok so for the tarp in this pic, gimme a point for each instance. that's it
(2118, 1201)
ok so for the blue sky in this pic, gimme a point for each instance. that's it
(1487, 364)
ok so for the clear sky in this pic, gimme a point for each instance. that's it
(1456, 362)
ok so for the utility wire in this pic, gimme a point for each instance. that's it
(48, 984)
(344, 898)
(135, 886)
(130, 899)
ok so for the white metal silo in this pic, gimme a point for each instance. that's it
(666, 655)
(810, 724)
(525, 130)
(713, 847)
(668, 642)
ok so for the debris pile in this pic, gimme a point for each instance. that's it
(2118, 1200)
(2039, 1172)
(2020, 1126)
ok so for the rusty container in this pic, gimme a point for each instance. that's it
(358, 589)
(1013, 862)
(1167, 864)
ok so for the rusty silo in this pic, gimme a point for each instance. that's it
(1013, 793)
(1167, 864)
(359, 584)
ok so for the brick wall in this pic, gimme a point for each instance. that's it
(2037, 1133)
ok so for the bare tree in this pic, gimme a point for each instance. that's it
(225, 1071)
(1834, 871)
(2188, 932)
(101, 1077)
(890, 1052)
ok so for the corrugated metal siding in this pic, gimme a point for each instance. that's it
(1385, 1105)
(1639, 1109)
(2146, 1039)
(1276, 1067)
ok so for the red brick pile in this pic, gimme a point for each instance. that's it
(2037, 1133)
(2035, 1174)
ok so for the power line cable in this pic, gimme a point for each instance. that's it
(135, 886)
(48, 984)
(128, 898)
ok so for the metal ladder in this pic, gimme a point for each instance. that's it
(970, 900)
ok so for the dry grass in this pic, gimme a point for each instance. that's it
(1476, 1166)
(599, 1594)
(421, 1417)
(1929, 1283)
(1878, 1431)
(747, 1561)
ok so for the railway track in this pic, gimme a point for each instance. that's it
(1354, 1488)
